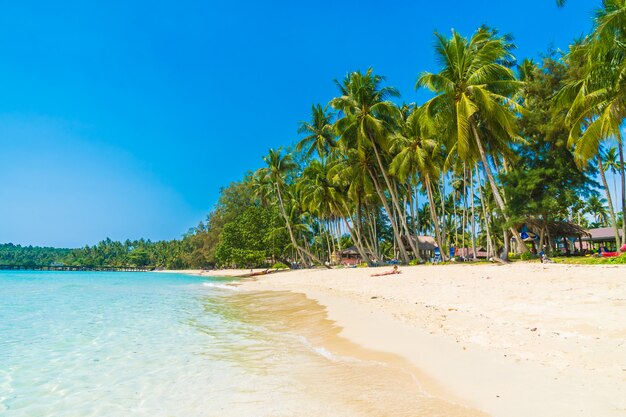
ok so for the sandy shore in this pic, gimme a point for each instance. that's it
(516, 340)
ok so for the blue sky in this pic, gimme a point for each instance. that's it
(124, 119)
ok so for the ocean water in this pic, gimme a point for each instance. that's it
(76, 344)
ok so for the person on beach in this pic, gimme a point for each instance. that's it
(392, 272)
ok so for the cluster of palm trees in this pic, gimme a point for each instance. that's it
(365, 162)
(596, 98)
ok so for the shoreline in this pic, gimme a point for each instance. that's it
(512, 340)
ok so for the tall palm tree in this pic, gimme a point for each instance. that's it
(610, 163)
(415, 156)
(350, 173)
(318, 195)
(596, 93)
(278, 167)
(320, 137)
(473, 102)
(365, 123)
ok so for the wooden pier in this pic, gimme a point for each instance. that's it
(73, 268)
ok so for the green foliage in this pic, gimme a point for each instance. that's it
(279, 265)
(592, 260)
(544, 181)
(250, 239)
(527, 256)
(11, 254)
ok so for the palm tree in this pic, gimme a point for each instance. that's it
(365, 123)
(320, 137)
(473, 102)
(596, 206)
(278, 167)
(610, 163)
(595, 94)
(415, 156)
(318, 196)
(350, 174)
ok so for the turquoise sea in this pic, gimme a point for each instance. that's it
(76, 344)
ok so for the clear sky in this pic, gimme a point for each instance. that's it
(123, 119)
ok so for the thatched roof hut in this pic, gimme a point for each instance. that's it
(554, 228)
(424, 243)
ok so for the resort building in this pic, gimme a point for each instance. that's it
(601, 237)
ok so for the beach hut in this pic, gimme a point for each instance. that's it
(350, 256)
(425, 245)
(468, 254)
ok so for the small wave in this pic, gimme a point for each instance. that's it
(322, 351)
(221, 286)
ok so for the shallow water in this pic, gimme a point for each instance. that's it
(165, 345)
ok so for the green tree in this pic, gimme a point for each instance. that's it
(545, 180)
(367, 118)
(474, 102)
(320, 136)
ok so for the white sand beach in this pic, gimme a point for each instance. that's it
(515, 340)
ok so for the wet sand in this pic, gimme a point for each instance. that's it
(332, 370)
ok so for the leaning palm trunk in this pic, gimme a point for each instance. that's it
(332, 239)
(396, 232)
(483, 203)
(417, 208)
(464, 212)
(610, 201)
(621, 164)
(494, 187)
(444, 224)
(374, 236)
(473, 221)
(294, 244)
(327, 235)
(433, 212)
(356, 238)
(301, 251)
(394, 200)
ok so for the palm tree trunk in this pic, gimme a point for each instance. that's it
(473, 221)
(396, 233)
(357, 242)
(374, 236)
(483, 203)
(610, 201)
(288, 223)
(444, 231)
(299, 249)
(412, 205)
(494, 187)
(394, 200)
(355, 236)
(417, 212)
(433, 212)
(327, 233)
(332, 239)
(620, 145)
